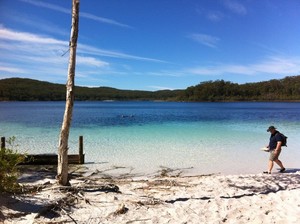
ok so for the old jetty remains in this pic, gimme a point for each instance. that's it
(51, 159)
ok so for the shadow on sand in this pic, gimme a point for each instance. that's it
(291, 170)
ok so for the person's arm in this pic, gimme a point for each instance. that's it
(278, 146)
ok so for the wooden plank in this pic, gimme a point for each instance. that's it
(51, 159)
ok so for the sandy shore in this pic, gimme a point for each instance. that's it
(166, 197)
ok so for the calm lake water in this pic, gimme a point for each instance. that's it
(203, 137)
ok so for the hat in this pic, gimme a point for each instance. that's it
(271, 128)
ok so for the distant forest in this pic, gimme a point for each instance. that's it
(287, 89)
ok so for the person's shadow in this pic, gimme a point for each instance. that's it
(292, 170)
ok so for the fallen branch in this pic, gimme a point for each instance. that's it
(57, 205)
(89, 188)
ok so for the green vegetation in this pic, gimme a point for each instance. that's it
(9, 159)
(17, 89)
(287, 89)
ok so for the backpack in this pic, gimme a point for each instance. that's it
(284, 139)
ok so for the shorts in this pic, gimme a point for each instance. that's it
(273, 156)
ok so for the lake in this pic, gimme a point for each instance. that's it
(145, 136)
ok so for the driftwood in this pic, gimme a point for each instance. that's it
(25, 189)
(56, 206)
(89, 188)
(73, 195)
(150, 201)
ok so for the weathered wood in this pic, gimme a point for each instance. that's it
(50, 159)
(62, 167)
(2, 142)
(81, 155)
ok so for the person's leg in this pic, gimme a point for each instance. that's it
(279, 163)
(270, 167)
(271, 161)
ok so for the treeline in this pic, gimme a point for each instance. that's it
(287, 89)
(18, 89)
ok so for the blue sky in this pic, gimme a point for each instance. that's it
(151, 44)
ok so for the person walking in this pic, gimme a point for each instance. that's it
(274, 147)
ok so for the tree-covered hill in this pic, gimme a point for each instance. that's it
(18, 89)
(287, 89)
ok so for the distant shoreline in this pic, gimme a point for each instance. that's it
(282, 90)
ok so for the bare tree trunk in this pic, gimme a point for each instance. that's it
(62, 167)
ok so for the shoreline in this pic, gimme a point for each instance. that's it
(164, 197)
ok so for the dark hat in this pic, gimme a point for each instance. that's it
(271, 128)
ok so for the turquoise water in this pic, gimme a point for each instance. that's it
(201, 137)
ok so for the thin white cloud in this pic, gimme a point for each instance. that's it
(166, 73)
(40, 42)
(276, 65)
(215, 16)
(26, 55)
(205, 39)
(86, 49)
(235, 7)
(82, 14)
(271, 65)
(91, 61)
(268, 49)
(103, 20)
(48, 6)
(59, 60)
(27, 37)
(35, 22)
(279, 65)
(10, 69)
(43, 25)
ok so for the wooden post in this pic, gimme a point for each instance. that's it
(81, 156)
(2, 142)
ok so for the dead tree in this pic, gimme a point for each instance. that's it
(62, 167)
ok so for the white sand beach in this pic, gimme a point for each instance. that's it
(168, 197)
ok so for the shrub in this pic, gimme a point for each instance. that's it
(9, 159)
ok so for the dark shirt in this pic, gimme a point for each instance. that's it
(274, 138)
